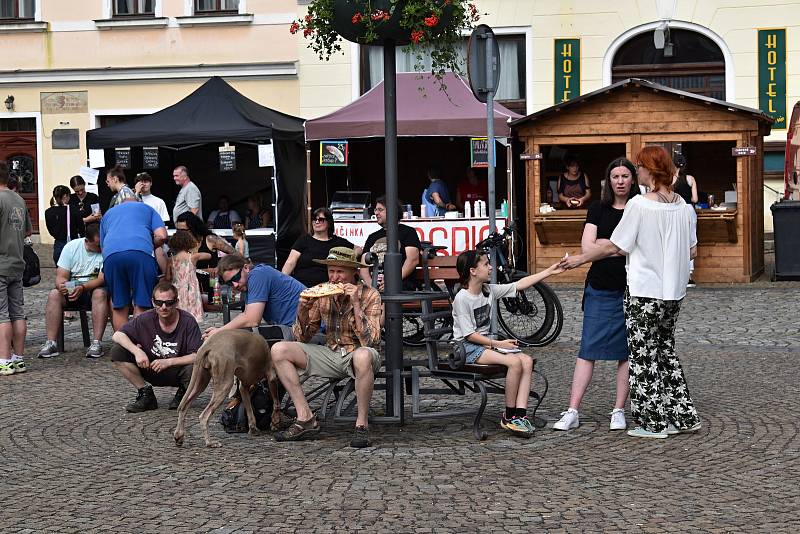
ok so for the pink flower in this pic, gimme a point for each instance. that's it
(357, 18)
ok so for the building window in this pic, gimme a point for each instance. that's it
(132, 8)
(17, 9)
(510, 93)
(694, 63)
(202, 7)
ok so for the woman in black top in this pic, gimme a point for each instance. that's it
(604, 336)
(315, 246)
(210, 244)
(573, 185)
(63, 221)
(83, 200)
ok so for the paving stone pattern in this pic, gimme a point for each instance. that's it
(75, 461)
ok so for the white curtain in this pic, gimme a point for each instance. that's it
(508, 89)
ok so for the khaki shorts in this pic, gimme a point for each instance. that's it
(327, 363)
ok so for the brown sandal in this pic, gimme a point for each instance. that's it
(299, 430)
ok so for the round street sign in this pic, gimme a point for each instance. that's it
(481, 82)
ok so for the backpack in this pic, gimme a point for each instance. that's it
(32, 274)
(234, 417)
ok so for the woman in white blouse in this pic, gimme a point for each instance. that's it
(658, 236)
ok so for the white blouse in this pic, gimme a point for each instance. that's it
(657, 238)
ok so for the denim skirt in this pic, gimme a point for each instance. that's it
(604, 336)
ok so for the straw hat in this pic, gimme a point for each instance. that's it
(341, 257)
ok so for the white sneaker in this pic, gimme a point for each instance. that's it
(618, 419)
(95, 349)
(48, 350)
(569, 419)
(640, 432)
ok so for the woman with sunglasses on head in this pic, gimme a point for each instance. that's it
(604, 336)
(314, 246)
(658, 236)
(83, 200)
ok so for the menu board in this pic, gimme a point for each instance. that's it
(227, 158)
(333, 154)
(123, 157)
(150, 157)
(479, 152)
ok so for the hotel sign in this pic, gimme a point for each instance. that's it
(772, 75)
(568, 69)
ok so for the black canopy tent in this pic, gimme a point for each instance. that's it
(194, 128)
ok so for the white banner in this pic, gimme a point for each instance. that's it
(457, 235)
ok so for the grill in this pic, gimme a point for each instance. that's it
(351, 204)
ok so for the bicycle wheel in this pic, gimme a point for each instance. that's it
(558, 317)
(527, 316)
(413, 332)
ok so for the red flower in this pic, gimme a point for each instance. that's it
(417, 35)
(293, 28)
(357, 18)
(431, 21)
(307, 32)
(380, 14)
(307, 18)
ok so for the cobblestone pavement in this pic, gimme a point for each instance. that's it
(75, 461)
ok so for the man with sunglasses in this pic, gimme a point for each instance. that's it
(271, 295)
(157, 348)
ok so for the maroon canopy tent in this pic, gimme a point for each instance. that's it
(423, 109)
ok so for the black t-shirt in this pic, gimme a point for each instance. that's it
(145, 331)
(376, 243)
(85, 205)
(307, 271)
(609, 273)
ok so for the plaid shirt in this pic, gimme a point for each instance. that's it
(340, 321)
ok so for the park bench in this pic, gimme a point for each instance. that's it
(448, 366)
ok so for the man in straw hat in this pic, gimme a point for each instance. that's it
(353, 332)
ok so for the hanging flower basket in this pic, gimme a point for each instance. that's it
(431, 27)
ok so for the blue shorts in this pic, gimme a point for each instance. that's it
(130, 273)
(473, 351)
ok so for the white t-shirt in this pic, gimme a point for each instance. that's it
(472, 313)
(157, 204)
(657, 237)
(82, 264)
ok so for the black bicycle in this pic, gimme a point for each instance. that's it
(534, 316)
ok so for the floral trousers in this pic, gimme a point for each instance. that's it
(658, 390)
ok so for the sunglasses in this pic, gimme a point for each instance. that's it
(235, 278)
(320, 220)
(169, 303)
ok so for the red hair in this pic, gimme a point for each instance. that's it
(656, 159)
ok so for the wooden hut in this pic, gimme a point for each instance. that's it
(722, 143)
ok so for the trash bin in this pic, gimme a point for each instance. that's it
(786, 224)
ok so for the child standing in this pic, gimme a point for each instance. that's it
(183, 248)
(471, 315)
(242, 246)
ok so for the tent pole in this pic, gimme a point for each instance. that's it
(308, 188)
(392, 259)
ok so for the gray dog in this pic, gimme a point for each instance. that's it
(226, 354)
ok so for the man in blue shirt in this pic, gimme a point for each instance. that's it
(128, 235)
(271, 295)
(436, 198)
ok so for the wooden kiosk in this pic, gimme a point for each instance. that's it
(722, 142)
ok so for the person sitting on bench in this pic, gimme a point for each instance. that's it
(79, 283)
(349, 348)
(271, 295)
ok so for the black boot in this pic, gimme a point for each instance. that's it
(145, 400)
(176, 400)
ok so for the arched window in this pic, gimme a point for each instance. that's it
(694, 63)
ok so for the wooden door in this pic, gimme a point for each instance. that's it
(18, 150)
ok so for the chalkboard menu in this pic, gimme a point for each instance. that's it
(150, 157)
(479, 152)
(123, 157)
(227, 158)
